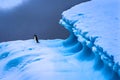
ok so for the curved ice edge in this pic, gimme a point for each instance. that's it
(89, 40)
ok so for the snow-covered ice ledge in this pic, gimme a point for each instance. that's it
(91, 52)
(97, 24)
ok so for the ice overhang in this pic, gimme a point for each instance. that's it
(97, 23)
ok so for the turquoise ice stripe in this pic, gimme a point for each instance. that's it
(4, 55)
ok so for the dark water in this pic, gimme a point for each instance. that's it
(39, 17)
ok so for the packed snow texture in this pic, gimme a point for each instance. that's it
(51, 60)
(79, 57)
(100, 19)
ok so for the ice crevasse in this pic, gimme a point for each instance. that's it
(91, 52)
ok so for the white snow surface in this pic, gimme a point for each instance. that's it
(99, 18)
(27, 60)
(55, 60)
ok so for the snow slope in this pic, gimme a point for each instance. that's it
(51, 60)
(82, 56)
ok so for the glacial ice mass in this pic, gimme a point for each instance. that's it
(98, 18)
(91, 52)
(97, 21)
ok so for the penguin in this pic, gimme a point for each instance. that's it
(36, 39)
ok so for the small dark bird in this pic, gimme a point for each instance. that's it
(36, 39)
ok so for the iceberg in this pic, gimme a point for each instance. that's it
(97, 24)
(91, 52)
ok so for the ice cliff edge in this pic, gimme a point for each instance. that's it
(91, 52)
(97, 24)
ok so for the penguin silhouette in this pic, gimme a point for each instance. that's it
(36, 38)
